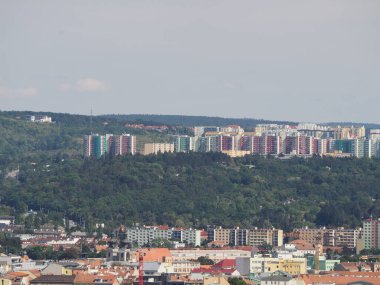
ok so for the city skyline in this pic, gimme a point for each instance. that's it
(314, 61)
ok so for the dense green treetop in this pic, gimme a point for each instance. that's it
(198, 189)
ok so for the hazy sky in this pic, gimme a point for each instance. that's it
(305, 60)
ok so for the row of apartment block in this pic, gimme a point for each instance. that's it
(252, 237)
(368, 237)
(329, 237)
(145, 235)
(96, 145)
(303, 139)
(292, 144)
(315, 130)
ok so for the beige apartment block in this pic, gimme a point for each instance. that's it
(257, 237)
(185, 266)
(258, 265)
(329, 237)
(310, 235)
(155, 148)
(222, 235)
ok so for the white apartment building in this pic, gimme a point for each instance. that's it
(39, 118)
(145, 235)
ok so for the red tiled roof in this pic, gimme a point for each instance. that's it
(49, 279)
(156, 254)
(340, 279)
(203, 270)
(302, 244)
(213, 271)
(19, 274)
(226, 263)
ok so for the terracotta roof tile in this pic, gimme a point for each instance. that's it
(54, 279)
(226, 263)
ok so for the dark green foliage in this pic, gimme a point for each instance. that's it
(9, 244)
(191, 121)
(198, 189)
(159, 242)
(205, 261)
(236, 281)
(43, 252)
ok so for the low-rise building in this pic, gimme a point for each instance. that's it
(185, 266)
(214, 254)
(258, 265)
(39, 118)
(155, 148)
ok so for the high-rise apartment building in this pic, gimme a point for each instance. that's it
(146, 234)
(123, 144)
(98, 145)
(341, 237)
(225, 143)
(252, 237)
(371, 233)
(376, 148)
(183, 143)
(271, 144)
(207, 144)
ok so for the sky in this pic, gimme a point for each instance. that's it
(299, 60)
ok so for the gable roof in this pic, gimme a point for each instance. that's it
(276, 278)
(226, 263)
(328, 279)
(19, 274)
(302, 244)
(155, 254)
(69, 279)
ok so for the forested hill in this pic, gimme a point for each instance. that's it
(192, 189)
(197, 189)
(20, 138)
(191, 121)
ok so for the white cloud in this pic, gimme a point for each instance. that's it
(90, 85)
(7, 92)
(84, 85)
